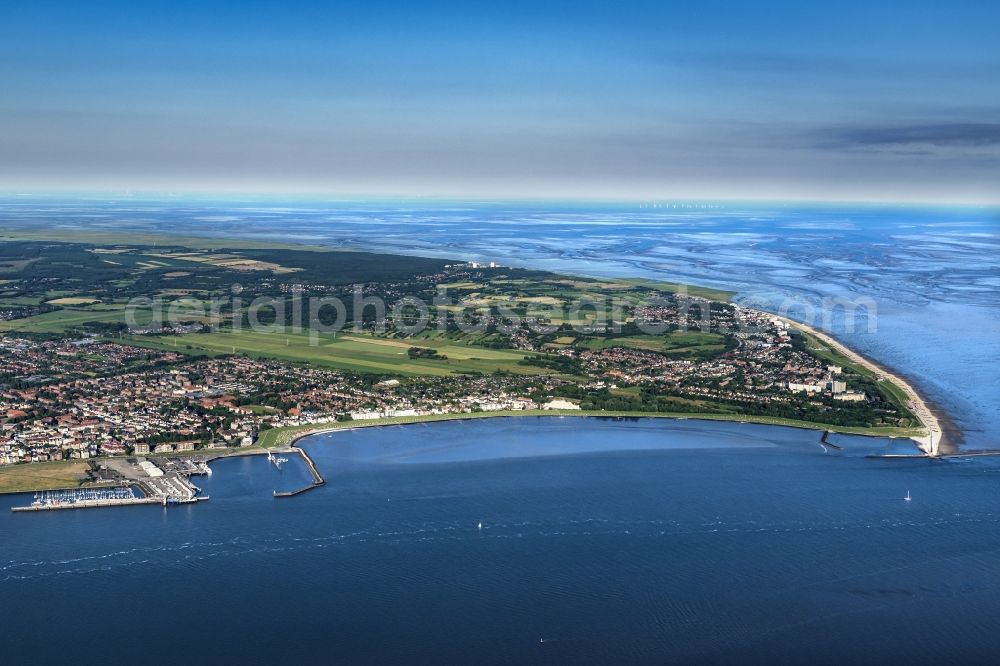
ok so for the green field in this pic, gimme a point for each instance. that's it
(58, 321)
(41, 476)
(19, 301)
(355, 352)
(679, 342)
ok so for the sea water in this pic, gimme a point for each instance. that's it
(645, 541)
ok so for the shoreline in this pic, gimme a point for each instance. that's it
(931, 440)
(289, 438)
(929, 443)
(286, 439)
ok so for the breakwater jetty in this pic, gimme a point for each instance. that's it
(825, 441)
(317, 478)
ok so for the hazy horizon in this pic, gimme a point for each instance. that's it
(344, 198)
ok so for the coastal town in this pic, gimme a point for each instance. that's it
(169, 404)
(83, 398)
(248, 356)
(545, 333)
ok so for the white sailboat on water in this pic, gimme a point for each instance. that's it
(276, 461)
(907, 498)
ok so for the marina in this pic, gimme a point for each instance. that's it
(137, 481)
(163, 481)
(85, 498)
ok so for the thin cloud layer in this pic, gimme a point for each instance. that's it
(940, 134)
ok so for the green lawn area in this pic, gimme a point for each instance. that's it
(356, 352)
(41, 476)
(260, 409)
(680, 341)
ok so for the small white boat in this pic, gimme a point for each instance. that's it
(479, 526)
(907, 498)
(276, 461)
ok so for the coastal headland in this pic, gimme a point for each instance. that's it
(232, 369)
(933, 441)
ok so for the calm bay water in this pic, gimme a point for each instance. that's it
(645, 541)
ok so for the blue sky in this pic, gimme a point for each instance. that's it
(647, 100)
